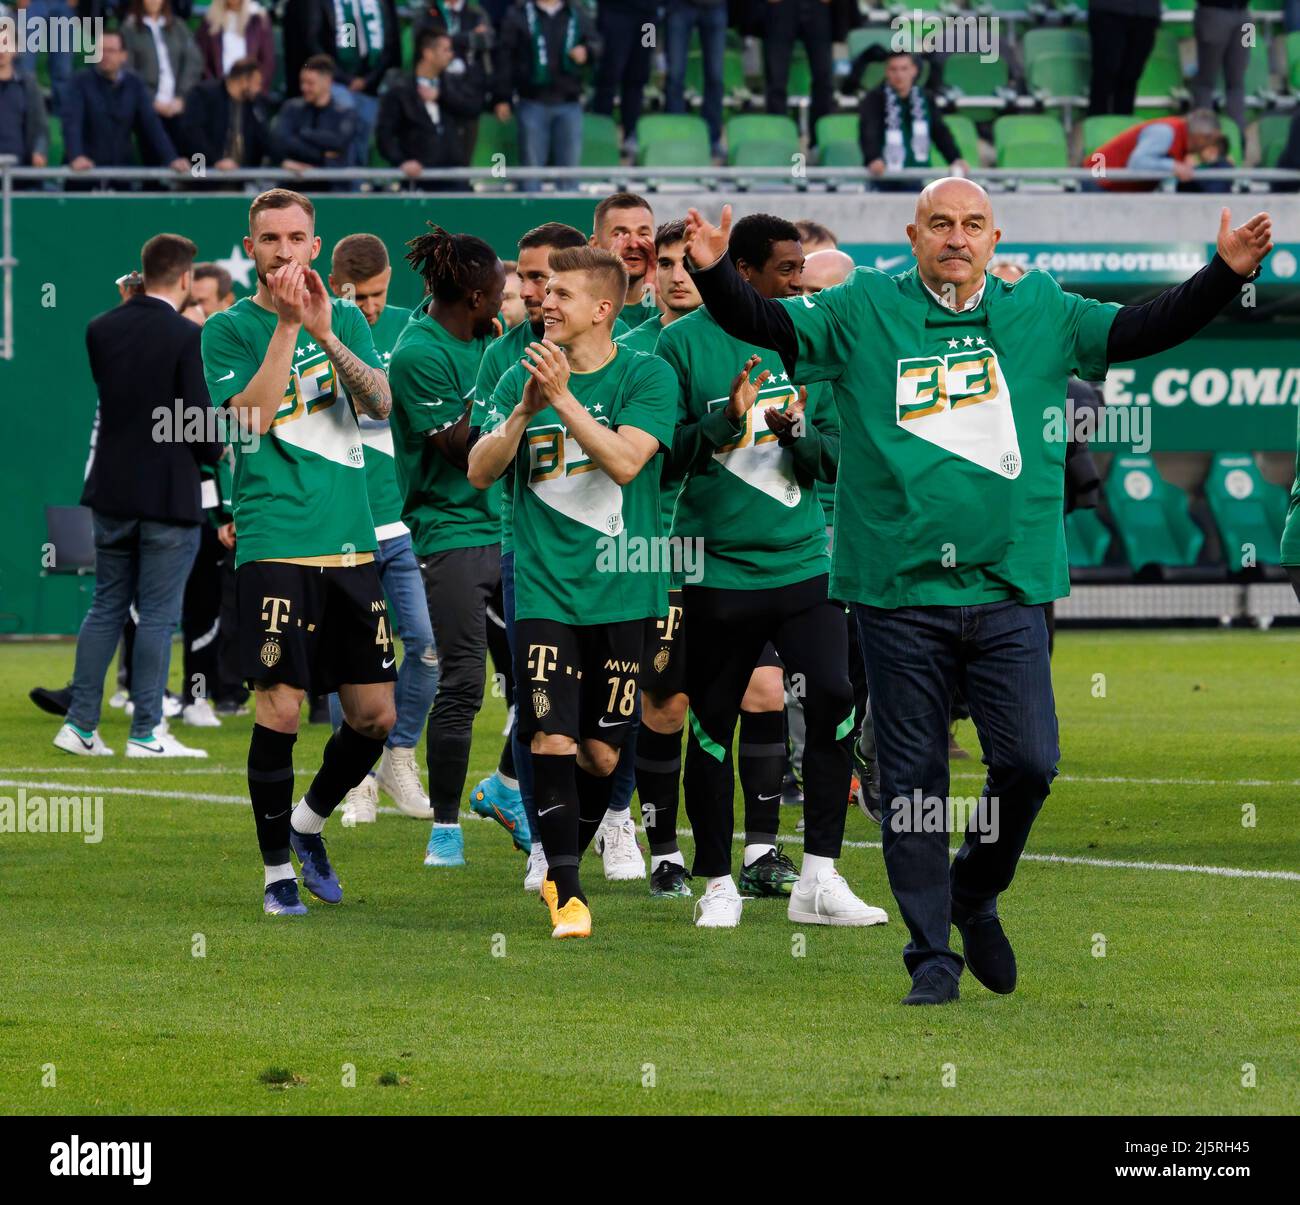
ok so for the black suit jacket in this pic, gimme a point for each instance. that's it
(143, 356)
(206, 122)
(404, 129)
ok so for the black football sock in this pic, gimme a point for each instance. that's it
(658, 782)
(506, 764)
(594, 793)
(762, 766)
(556, 793)
(270, 787)
(347, 759)
(448, 758)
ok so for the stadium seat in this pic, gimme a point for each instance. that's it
(1097, 131)
(964, 134)
(1059, 76)
(1293, 59)
(1232, 132)
(601, 143)
(1248, 511)
(56, 140)
(495, 137)
(672, 139)
(839, 153)
(761, 140)
(1087, 539)
(978, 89)
(1029, 140)
(1151, 515)
(1039, 43)
(1161, 89)
(836, 127)
(1274, 130)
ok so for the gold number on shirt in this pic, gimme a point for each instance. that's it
(929, 384)
(382, 636)
(308, 391)
(625, 705)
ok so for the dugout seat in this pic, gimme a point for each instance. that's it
(1248, 511)
(1155, 527)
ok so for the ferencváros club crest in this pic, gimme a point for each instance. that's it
(960, 402)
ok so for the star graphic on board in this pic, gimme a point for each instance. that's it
(239, 266)
(968, 341)
(952, 342)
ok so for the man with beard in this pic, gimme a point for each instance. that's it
(624, 223)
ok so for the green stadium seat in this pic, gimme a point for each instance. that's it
(1161, 88)
(1232, 132)
(839, 153)
(1274, 130)
(964, 134)
(495, 137)
(56, 141)
(1248, 511)
(1087, 539)
(759, 127)
(860, 39)
(1097, 131)
(836, 127)
(977, 87)
(1030, 140)
(657, 132)
(1058, 76)
(1041, 42)
(601, 142)
(800, 83)
(1293, 59)
(759, 152)
(1151, 515)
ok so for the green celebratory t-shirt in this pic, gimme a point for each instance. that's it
(377, 436)
(950, 489)
(645, 336)
(751, 503)
(588, 550)
(299, 490)
(502, 354)
(432, 374)
(1291, 531)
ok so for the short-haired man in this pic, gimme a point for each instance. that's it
(212, 289)
(750, 501)
(144, 495)
(361, 273)
(898, 123)
(624, 223)
(294, 370)
(815, 237)
(941, 376)
(532, 270)
(224, 120)
(1174, 146)
(579, 420)
(512, 306)
(314, 130)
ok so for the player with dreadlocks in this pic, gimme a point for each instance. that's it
(455, 529)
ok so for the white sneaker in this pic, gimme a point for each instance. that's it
(510, 720)
(119, 699)
(399, 777)
(536, 869)
(718, 908)
(360, 803)
(71, 741)
(616, 844)
(829, 900)
(161, 744)
(199, 714)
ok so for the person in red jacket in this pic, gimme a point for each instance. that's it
(1174, 145)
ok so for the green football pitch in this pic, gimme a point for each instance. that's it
(1154, 918)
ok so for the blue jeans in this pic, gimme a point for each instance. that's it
(550, 135)
(417, 677)
(996, 653)
(140, 561)
(683, 17)
(60, 62)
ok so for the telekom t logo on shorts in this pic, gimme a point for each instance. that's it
(274, 610)
(542, 660)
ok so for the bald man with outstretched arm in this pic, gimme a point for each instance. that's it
(948, 523)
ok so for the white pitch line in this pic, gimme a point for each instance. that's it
(1230, 872)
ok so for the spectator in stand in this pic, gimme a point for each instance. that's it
(814, 237)
(423, 117)
(810, 22)
(60, 62)
(313, 129)
(1222, 49)
(624, 60)
(224, 121)
(1122, 34)
(367, 47)
(161, 50)
(308, 29)
(539, 61)
(710, 18)
(898, 123)
(1174, 146)
(212, 289)
(107, 108)
(469, 26)
(24, 124)
(234, 30)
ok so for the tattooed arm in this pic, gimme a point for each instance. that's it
(367, 386)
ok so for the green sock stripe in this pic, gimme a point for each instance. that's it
(845, 728)
(710, 746)
(84, 733)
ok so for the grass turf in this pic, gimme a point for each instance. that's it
(443, 991)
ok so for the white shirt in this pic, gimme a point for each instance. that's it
(234, 46)
(166, 77)
(971, 302)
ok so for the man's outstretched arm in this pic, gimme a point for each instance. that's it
(1181, 311)
(731, 303)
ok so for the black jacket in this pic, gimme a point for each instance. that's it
(309, 28)
(513, 57)
(206, 124)
(404, 129)
(467, 42)
(144, 356)
(100, 117)
(871, 127)
(306, 132)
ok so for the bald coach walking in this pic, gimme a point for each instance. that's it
(948, 523)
